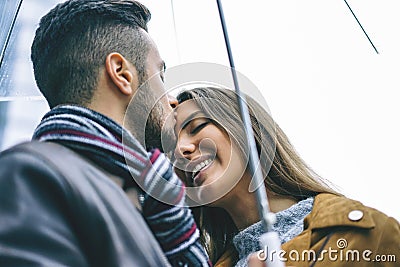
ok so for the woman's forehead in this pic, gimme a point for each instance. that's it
(186, 109)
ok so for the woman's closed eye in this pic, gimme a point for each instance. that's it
(199, 126)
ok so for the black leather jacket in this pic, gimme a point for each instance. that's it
(58, 209)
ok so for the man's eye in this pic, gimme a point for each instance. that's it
(199, 127)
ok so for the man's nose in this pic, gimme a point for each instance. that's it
(173, 102)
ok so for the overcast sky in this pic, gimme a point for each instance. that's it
(336, 99)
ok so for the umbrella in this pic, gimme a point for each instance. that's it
(321, 55)
(270, 239)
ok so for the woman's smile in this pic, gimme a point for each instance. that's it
(208, 158)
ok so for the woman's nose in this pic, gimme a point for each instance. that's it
(185, 149)
(184, 152)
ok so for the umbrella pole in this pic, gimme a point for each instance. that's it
(269, 241)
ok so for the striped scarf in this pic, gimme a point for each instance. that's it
(107, 144)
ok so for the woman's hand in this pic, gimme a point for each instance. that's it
(254, 261)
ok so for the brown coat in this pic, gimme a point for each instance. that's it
(340, 232)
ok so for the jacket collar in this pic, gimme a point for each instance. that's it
(331, 210)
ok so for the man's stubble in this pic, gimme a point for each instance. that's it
(148, 120)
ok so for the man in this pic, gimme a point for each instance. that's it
(61, 196)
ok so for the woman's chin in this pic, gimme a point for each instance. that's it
(208, 194)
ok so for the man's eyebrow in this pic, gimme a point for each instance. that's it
(190, 118)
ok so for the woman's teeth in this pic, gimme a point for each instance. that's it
(201, 165)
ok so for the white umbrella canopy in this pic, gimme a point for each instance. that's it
(334, 96)
(21, 103)
(9, 9)
(325, 85)
(16, 75)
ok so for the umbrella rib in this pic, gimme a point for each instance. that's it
(175, 31)
(3, 51)
(362, 28)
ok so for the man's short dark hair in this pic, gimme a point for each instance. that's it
(73, 40)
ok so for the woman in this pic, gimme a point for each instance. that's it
(211, 158)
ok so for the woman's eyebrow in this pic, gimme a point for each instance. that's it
(190, 118)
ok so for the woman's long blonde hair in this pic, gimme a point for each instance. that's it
(284, 171)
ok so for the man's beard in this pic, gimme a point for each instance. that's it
(157, 136)
(146, 117)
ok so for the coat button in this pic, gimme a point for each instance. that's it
(355, 215)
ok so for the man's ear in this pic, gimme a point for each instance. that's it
(122, 73)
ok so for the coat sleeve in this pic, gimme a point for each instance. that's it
(34, 229)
